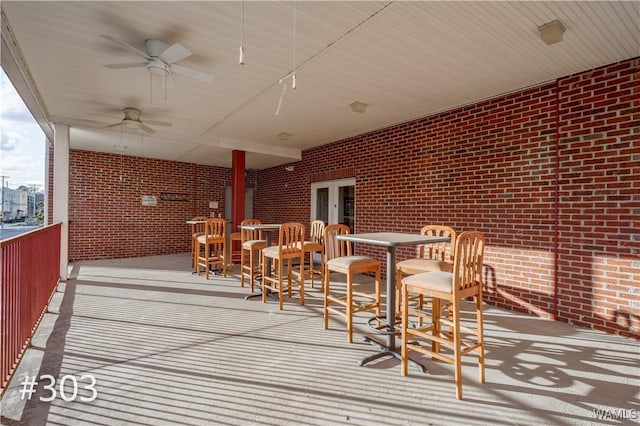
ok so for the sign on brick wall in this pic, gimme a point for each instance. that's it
(149, 200)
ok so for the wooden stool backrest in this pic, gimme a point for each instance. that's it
(467, 265)
(438, 251)
(251, 234)
(291, 239)
(333, 247)
(317, 231)
(215, 230)
(199, 226)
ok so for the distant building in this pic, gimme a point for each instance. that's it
(18, 203)
(39, 198)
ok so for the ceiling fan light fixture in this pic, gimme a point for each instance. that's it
(131, 124)
(158, 68)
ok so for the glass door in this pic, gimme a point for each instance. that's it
(334, 202)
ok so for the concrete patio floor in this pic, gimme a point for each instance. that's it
(170, 348)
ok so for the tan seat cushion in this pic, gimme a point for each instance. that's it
(417, 265)
(274, 251)
(437, 281)
(202, 239)
(347, 262)
(254, 244)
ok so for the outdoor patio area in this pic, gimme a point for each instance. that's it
(169, 347)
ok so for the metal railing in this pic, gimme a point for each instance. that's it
(30, 275)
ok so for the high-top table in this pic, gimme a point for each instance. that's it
(390, 240)
(268, 228)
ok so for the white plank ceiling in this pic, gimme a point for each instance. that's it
(404, 59)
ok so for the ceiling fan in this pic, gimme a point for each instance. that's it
(132, 120)
(160, 59)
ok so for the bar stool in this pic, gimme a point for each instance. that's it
(463, 282)
(197, 229)
(430, 257)
(338, 258)
(235, 240)
(211, 246)
(289, 248)
(252, 244)
(313, 246)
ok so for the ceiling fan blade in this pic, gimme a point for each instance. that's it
(174, 53)
(158, 123)
(130, 65)
(190, 72)
(77, 122)
(128, 47)
(113, 125)
(147, 129)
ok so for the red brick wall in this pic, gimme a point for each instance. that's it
(599, 249)
(106, 215)
(492, 166)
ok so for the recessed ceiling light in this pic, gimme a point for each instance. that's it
(551, 32)
(284, 136)
(120, 148)
(358, 107)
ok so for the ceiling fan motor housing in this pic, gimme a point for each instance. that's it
(155, 47)
(132, 114)
(131, 118)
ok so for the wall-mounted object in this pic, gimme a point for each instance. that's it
(213, 204)
(149, 200)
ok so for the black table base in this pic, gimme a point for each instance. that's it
(270, 295)
(383, 329)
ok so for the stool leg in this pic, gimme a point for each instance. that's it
(456, 349)
(349, 308)
(302, 280)
(280, 296)
(404, 358)
(242, 260)
(326, 297)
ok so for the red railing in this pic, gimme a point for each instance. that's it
(30, 275)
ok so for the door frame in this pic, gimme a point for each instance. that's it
(334, 197)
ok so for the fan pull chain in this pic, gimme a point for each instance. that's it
(292, 74)
(284, 89)
(241, 60)
(293, 78)
(122, 143)
(164, 85)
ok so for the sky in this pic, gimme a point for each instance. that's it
(22, 142)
